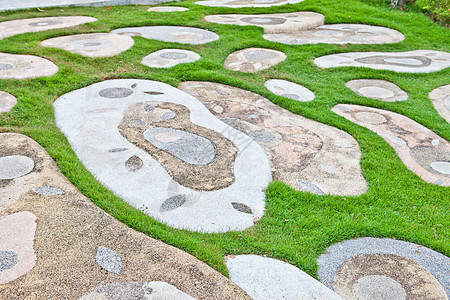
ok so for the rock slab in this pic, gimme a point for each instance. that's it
(7, 102)
(14, 66)
(252, 60)
(441, 101)
(167, 58)
(289, 90)
(377, 89)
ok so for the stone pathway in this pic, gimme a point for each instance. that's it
(246, 3)
(14, 66)
(7, 102)
(289, 90)
(252, 60)
(167, 58)
(377, 89)
(441, 101)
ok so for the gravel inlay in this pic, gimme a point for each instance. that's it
(8, 259)
(377, 89)
(25, 66)
(109, 260)
(252, 60)
(47, 191)
(246, 3)
(441, 101)
(7, 101)
(14, 166)
(167, 58)
(167, 9)
(289, 90)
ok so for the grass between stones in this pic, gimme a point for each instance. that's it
(297, 227)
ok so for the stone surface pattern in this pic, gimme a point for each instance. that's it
(14, 166)
(252, 60)
(377, 89)
(167, 58)
(7, 102)
(14, 66)
(246, 3)
(289, 90)
(167, 9)
(441, 101)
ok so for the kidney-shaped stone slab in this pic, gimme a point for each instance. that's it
(273, 23)
(7, 102)
(418, 61)
(167, 58)
(377, 89)
(421, 150)
(289, 90)
(167, 9)
(91, 44)
(305, 154)
(252, 60)
(14, 66)
(105, 124)
(246, 3)
(10, 28)
(441, 101)
(174, 34)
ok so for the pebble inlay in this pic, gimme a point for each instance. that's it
(168, 58)
(109, 260)
(377, 89)
(253, 59)
(47, 191)
(25, 66)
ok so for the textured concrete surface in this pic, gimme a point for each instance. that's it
(14, 66)
(99, 122)
(273, 23)
(252, 60)
(14, 166)
(69, 232)
(307, 155)
(7, 102)
(418, 61)
(289, 90)
(271, 279)
(338, 34)
(167, 9)
(246, 3)
(377, 89)
(92, 44)
(421, 150)
(441, 101)
(167, 58)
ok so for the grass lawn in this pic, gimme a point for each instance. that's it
(297, 227)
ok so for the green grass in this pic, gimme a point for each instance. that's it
(297, 227)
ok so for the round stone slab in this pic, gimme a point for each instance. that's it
(252, 60)
(7, 102)
(441, 101)
(10, 28)
(338, 34)
(15, 166)
(377, 89)
(372, 266)
(289, 90)
(273, 23)
(14, 66)
(268, 278)
(167, 9)
(246, 3)
(92, 44)
(418, 61)
(168, 58)
(174, 34)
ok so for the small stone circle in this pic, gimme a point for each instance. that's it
(167, 9)
(377, 89)
(14, 66)
(167, 58)
(252, 60)
(289, 90)
(7, 101)
(246, 3)
(15, 166)
(441, 101)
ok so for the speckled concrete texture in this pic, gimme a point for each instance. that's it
(7, 102)
(289, 90)
(252, 60)
(246, 3)
(441, 101)
(377, 89)
(167, 58)
(273, 23)
(417, 61)
(14, 66)
(421, 150)
(167, 9)
(69, 232)
(307, 155)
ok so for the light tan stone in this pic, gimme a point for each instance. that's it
(441, 101)
(252, 60)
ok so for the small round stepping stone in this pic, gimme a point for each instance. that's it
(167, 9)
(441, 101)
(14, 66)
(92, 44)
(289, 90)
(252, 60)
(377, 89)
(374, 268)
(15, 166)
(174, 34)
(338, 34)
(273, 23)
(10, 28)
(418, 61)
(109, 260)
(246, 3)
(7, 102)
(268, 278)
(47, 191)
(168, 58)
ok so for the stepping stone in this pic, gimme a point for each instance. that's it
(173, 34)
(289, 90)
(338, 34)
(252, 60)
(307, 155)
(14, 66)
(70, 231)
(167, 9)
(246, 3)
(167, 58)
(10, 28)
(15, 166)
(377, 89)
(92, 44)
(17, 256)
(421, 150)
(441, 101)
(191, 164)
(268, 278)
(7, 102)
(136, 290)
(374, 268)
(273, 23)
(418, 61)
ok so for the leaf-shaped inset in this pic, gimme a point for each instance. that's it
(173, 203)
(47, 191)
(134, 163)
(109, 260)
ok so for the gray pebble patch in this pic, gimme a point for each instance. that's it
(264, 21)
(262, 136)
(115, 93)
(432, 159)
(15, 166)
(173, 55)
(46, 23)
(8, 259)
(258, 55)
(168, 115)
(139, 122)
(109, 260)
(114, 150)
(149, 107)
(92, 44)
(153, 93)
(4, 67)
(47, 191)
(328, 169)
(173, 203)
(404, 61)
(134, 163)
(310, 187)
(242, 207)
(376, 287)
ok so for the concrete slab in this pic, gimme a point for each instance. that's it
(252, 60)
(246, 3)
(441, 101)
(418, 61)
(307, 155)
(167, 9)
(14, 66)
(167, 58)
(377, 89)
(14, 166)
(421, 150)
(7, 102)
(289, 90)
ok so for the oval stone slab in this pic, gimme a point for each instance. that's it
(377, 89)
(252, 60)
(15, 166)
(109, 260)
(167, 58)
(167, 9)
(246, 3)
(441, 101)
(7, 102)
(289, 90)
(14, 66)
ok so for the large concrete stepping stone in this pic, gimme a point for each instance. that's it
(377, 89)
(174, 34)
(14, 66)
(441, 101)
(10, 28)
(417, 61)
(307, 155)
(386, 269)
(421, 150)
(7, 102)
(167, 9)
(92, 44)
(17, 256)
(167, 58)
(338, 34)
(273, 23)
(141, 138)
(70, 232)
(268, 278)
(252, 60)
(289, 90)
(246, 3)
